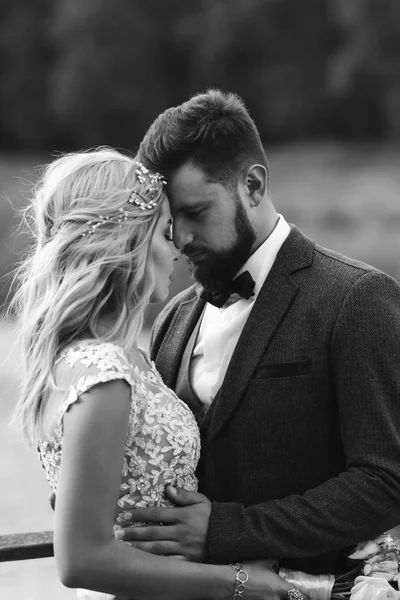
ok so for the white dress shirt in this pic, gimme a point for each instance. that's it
(220, 328)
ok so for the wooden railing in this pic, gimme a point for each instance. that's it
(25, 546)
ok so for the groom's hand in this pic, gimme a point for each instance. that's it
(180, 531)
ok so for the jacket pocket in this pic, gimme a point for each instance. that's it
(290, 369)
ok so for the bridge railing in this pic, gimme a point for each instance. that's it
(25, 546)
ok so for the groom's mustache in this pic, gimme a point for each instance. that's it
(191, 251)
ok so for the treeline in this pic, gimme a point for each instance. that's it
(75, 73)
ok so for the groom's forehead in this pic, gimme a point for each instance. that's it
(189, 187)
(189, 177)
(187, 203)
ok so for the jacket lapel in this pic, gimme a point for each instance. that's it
(269, 309)
(174, 343)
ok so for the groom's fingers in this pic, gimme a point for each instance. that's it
(167, 548)
(147, 533)
(153, 515)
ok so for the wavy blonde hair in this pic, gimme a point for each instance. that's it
(69, 283)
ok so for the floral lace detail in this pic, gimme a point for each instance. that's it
(105, 356)
(163, 441)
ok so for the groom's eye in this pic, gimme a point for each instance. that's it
(196, 212)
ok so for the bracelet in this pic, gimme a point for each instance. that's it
(294, 594)
(240, 579)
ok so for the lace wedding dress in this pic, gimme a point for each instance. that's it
(162, 443)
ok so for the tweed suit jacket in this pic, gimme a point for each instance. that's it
(301, 446)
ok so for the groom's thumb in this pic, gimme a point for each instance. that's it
(183, 497)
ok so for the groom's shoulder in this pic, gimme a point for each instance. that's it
(331, 269)
(166, 315)
(340, 273)
(189, 294)
(337, 261)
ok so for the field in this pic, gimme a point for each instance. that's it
(345, 197)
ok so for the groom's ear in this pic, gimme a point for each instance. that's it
(256, 184)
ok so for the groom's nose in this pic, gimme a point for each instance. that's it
(181, 235)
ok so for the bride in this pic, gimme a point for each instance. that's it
(108, 431)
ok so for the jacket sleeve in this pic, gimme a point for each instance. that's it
(364, 499)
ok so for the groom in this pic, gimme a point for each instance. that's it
(294, 377)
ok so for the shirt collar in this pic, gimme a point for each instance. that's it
(260, 262)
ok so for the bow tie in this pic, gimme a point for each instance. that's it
(242, 285)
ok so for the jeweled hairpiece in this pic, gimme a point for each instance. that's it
(155, 181)
(147, 197)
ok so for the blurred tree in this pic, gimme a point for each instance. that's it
(365, 74)
(25, 59)
(273, 53)
(120, 64)
(76, 73)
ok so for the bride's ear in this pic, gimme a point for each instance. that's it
(256, 184)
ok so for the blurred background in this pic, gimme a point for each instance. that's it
(320, 77)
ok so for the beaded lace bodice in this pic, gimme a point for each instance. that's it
(162, 443)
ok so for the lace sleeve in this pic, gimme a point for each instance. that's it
(88, 364)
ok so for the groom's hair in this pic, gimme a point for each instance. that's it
(214, 131)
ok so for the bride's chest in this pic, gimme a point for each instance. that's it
(161, 425)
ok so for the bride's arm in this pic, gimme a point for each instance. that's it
(87, 556)
(95, 430)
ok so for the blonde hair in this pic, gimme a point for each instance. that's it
(71, 281)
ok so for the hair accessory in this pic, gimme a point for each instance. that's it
(91, 226)
(152, 183)
(147, 197)
(240, 579)
(142, 203)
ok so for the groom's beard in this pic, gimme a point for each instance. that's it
(218, 267)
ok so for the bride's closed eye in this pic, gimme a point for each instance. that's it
(168, 233)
